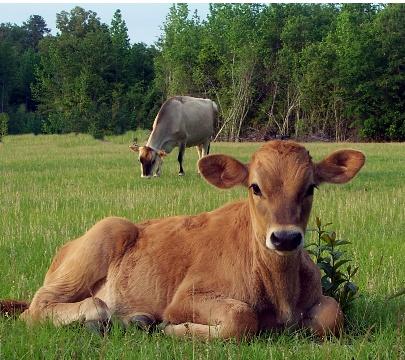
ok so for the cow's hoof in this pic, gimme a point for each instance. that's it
(156, 175)
(145, 322)
(181, 174)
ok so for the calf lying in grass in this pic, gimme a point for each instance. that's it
(231, 272)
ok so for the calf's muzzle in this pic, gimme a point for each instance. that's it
(286, 240)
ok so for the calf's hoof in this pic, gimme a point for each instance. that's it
(98, 327)
(181, 174)
(143, 321)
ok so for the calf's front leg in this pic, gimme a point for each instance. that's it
(325, 317)
(211, 318)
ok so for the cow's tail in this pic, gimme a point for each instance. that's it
(216, 120)
(10, 308)
(215, 107)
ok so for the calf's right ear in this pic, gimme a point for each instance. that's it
(223, 171)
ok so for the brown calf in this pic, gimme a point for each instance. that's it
(231, 272)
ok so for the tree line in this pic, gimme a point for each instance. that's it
(333, 71)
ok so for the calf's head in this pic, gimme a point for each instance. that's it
(149, 158)
(281, 179)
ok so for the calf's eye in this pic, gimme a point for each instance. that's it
(256, 190)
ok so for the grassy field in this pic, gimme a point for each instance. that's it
(53, 188)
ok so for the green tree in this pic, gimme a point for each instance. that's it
(36, 29)
(18, 59)
(380, 107)
(74, 75)
(179, 48)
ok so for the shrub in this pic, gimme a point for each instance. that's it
(330, 259)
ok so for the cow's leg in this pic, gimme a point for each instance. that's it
(203, 150)
(325, 317)
(78, 272)
(182, 149)
(206, 148)
(199, 150)
(159, 164)
(211, 318)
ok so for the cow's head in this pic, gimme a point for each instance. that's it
(149, 158)
(281, 179)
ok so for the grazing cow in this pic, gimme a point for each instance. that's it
(230, 272)
(182, 121)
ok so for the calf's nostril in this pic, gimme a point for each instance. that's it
(274, 239)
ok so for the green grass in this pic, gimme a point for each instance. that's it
(53, 188)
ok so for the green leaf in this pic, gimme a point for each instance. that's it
(318, 222)
(326, 237)
(351, 287)
(354, 271)
(324, 248)
(326, 284)
(325, 259)
(339, 263)
(327, 268)
(311, 252)
(310, 244)
(336, 254)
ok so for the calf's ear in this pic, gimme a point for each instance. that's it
(223, 171)
(339, 167)
(134, 147)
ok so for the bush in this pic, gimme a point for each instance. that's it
(24, 122)
(326, 252)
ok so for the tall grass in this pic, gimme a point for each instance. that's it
(53, 188)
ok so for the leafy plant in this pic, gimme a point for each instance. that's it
(330, 259)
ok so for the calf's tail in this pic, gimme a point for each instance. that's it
(13, 307)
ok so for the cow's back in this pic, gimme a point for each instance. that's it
(183, 119)
(198, 119)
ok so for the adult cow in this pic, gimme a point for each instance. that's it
(182, 121)
(231, 272)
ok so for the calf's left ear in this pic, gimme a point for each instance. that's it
(339, 167)
(223, 171)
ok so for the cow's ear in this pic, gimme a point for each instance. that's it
(162, 153)
(223, 171)
(134, 147)
(339, 167)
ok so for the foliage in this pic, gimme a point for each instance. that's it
(291, 69)
(3, 125)
(320, 70)
(331, 260)
(88, 78)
